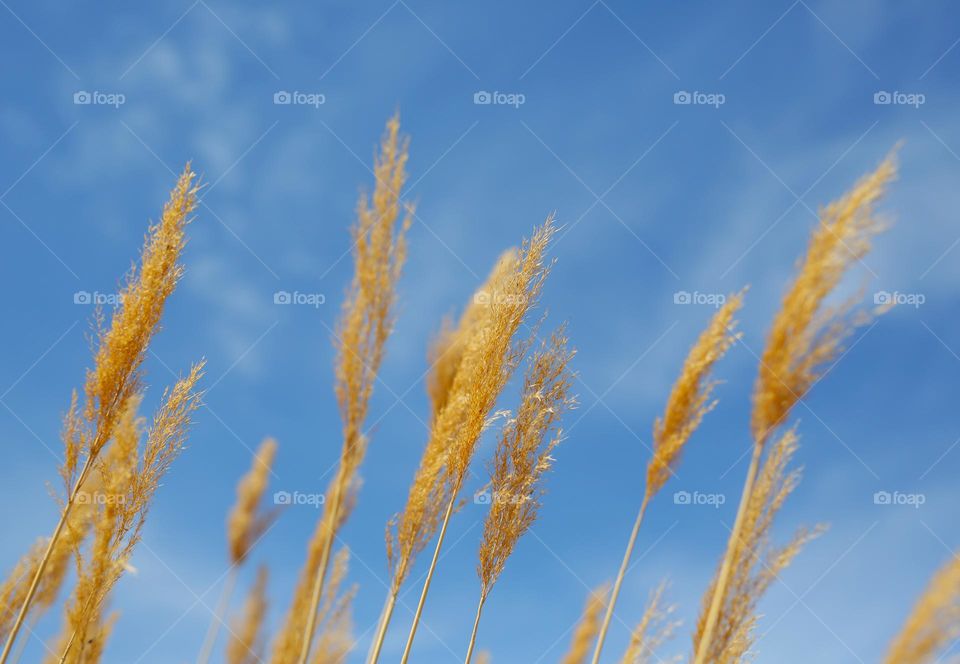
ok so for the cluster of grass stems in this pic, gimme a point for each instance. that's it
(110, 453)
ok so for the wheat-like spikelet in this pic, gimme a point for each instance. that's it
(689, 401)
(586, 630)
(247, 522)
(755, 562)
(656, 626)
(246, 638)
(806, 333)
(934, 624)
(490, 357)
(379, 252)
(129, 479)
(690, 398)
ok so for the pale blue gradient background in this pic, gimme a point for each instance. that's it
(655, 198)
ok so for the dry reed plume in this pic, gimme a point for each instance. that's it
(412, 529)
(489, 359)
(245, 525)
(805, 336)
(689, 401)
(522, 457)
(130, 478)
(114, 463)
(116, 376)
(934, 624)
(587, 628)
(379, 252)
(755, 562)
(246, 644)
(656, 626)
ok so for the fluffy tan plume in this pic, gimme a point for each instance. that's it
(246, 638)
(246, 522)
(586, 630)
(366, 321)
(934, 623)
(690, 398)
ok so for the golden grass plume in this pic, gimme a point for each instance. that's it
(656, 626)
(523, 456)
(755, 561)
(934, 624)
(690, 398)
(587, 628)
(379, 251)
(246, 522)
(246, 642)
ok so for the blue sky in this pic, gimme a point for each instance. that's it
(656, 197)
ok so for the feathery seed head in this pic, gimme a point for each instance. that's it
(588, 627)
(246, 523)
(523, 456)
(689, 399)
(246, 638)
(121, 349)
(755, 562)
(806, 333)
(934, 623)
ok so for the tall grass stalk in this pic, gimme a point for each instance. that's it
(689, 401)
(805, 336)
